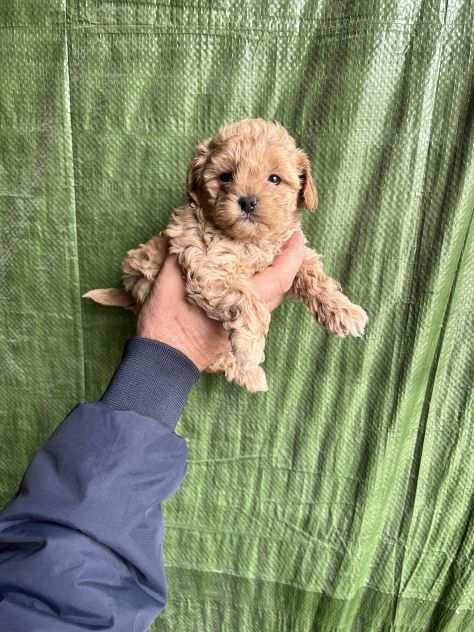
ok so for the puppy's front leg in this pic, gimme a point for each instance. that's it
(323, 297)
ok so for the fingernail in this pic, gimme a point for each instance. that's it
(297, 239)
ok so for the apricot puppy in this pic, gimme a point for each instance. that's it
(245, 187)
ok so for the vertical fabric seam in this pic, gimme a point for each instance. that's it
(410, 495)
(69, 155)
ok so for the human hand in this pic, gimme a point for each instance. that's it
(168, 317)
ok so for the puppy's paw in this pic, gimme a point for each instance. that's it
(248, 353)
(351, 322)
(253, 379)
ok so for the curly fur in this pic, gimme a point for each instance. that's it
(219, 247)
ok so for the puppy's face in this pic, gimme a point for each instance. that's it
(251, 179)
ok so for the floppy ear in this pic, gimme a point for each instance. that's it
(195, 169)
(308, 196)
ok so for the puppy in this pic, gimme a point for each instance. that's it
(245, 187)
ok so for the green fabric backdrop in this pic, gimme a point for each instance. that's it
(343, 498)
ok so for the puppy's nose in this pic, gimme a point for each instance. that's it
(248, 204)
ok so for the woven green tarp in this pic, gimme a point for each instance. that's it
(343, 498)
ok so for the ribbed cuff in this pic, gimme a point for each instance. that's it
(153, 379)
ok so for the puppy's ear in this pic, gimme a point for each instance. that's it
(308, 196)
(195, 169)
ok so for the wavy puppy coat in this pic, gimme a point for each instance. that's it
(245, 187)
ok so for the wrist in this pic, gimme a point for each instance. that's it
(153, 379)
(179, 340)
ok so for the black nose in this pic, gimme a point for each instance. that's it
(248, 204)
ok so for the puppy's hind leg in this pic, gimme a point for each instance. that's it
(254, 379)
(142, 265)
(323, 297)
(246, 319)
(139, 270)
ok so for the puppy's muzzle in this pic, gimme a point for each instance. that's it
(248, 204)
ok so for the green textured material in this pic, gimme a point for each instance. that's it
(343, 498)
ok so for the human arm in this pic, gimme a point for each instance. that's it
(81, 543)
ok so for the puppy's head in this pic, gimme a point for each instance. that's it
(251, 180)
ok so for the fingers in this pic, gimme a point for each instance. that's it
(272, 284)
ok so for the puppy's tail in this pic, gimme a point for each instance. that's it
(113, 297)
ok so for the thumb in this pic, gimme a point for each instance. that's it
(288, 261)
(272, 283)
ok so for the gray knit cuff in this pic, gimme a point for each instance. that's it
(153, 379)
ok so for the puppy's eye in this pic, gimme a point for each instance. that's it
(225, 177)
(274, 179)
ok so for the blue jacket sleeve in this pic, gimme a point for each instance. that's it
(81, 543)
